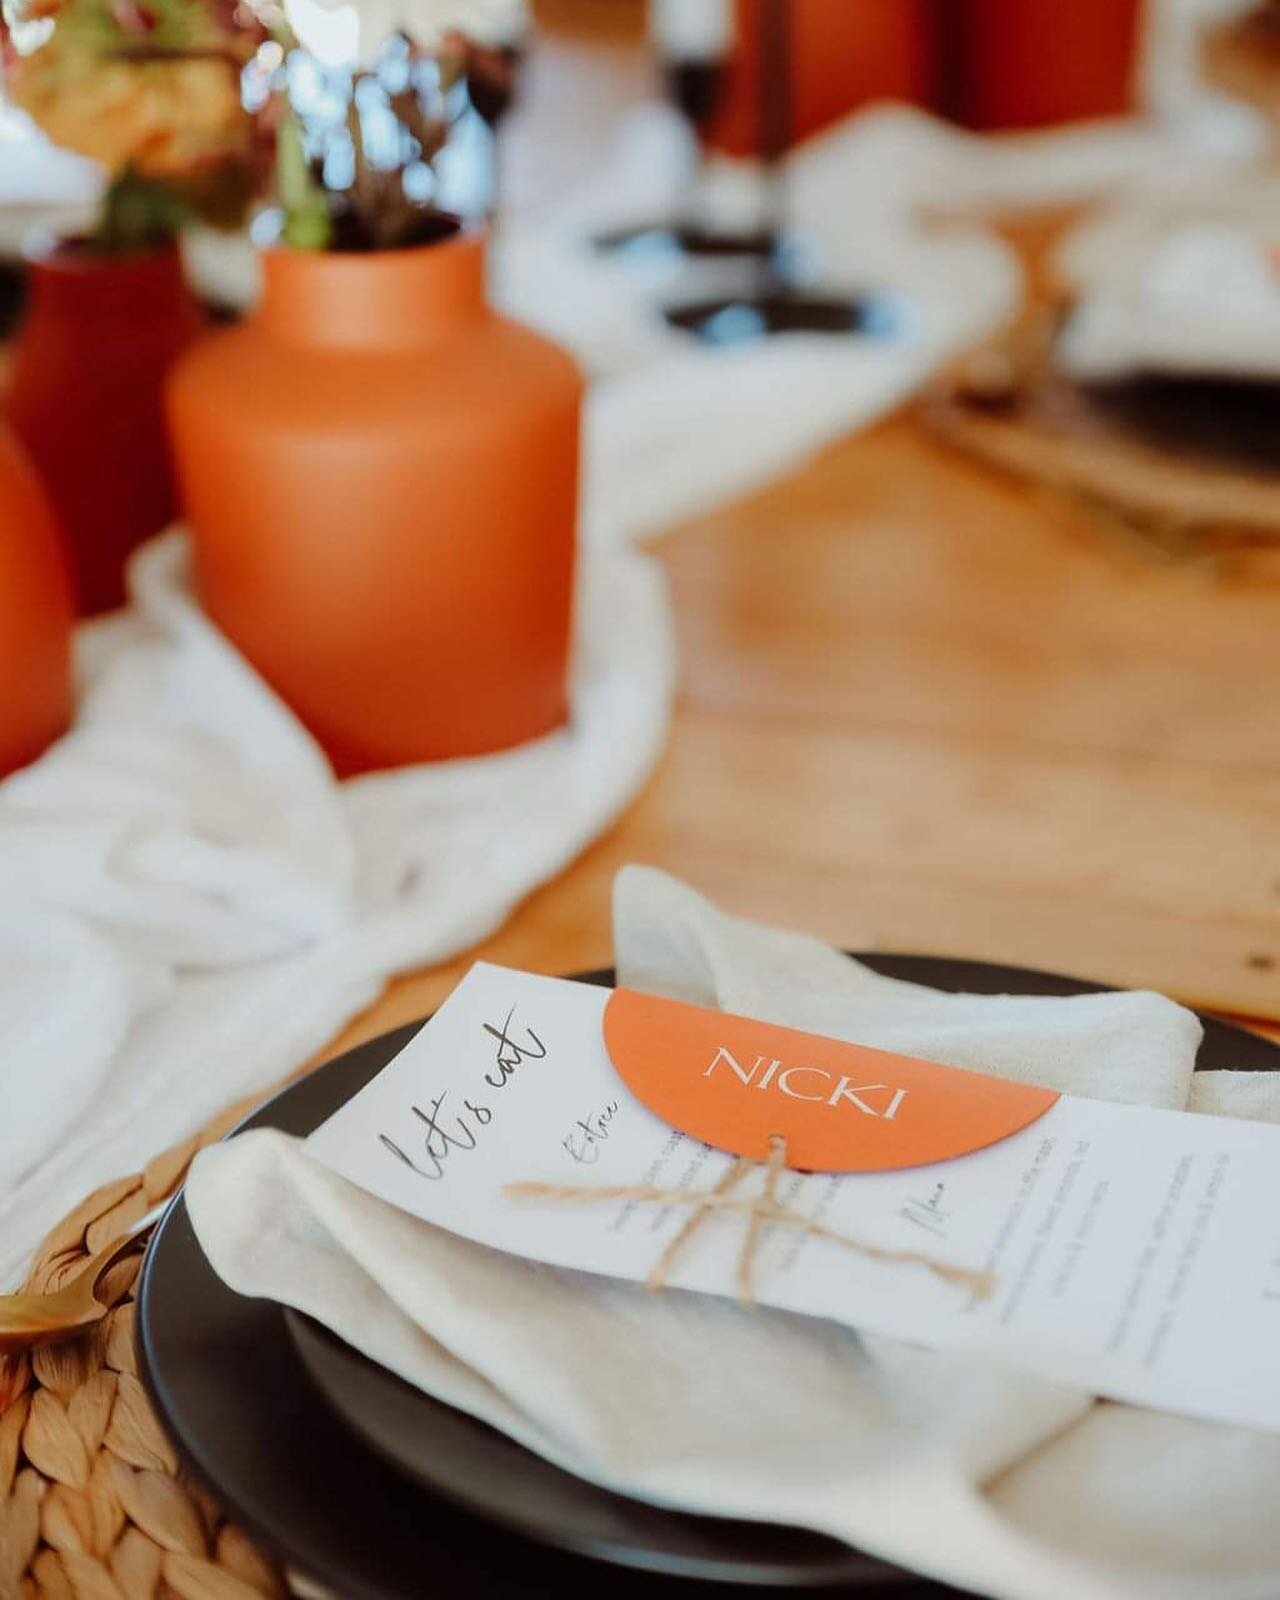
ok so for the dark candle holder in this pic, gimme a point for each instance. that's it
(492, 76)
(697, 88)
(777, 303)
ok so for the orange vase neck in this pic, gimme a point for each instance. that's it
(391, 298)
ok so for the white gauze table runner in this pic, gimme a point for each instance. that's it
(190, 905)
(947, 1463)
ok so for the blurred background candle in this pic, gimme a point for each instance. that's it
(693, 40)
(1007, 64)
(842, 56)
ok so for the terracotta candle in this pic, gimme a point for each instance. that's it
(842, 55)
(1034, 63)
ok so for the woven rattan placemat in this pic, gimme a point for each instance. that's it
(92, 1503)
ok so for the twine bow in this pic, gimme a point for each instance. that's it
(764, 1208)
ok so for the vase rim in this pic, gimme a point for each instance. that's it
(466, 240)
(324, 296)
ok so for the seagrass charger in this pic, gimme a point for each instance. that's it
(93, 1505)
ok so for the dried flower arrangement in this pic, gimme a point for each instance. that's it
(151, 90)
(191, 105)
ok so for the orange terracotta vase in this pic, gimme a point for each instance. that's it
(35, 615)
(87, 400)
(381, 478)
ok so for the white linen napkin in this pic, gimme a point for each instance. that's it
(190, 905)
(945, 1463)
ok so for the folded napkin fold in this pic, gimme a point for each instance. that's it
(944, 1462)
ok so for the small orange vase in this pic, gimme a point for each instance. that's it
(35, 615)
(87, 400)
(381, 480)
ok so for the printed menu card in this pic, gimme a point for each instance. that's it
(1127, 1251)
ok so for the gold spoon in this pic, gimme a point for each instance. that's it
(29, 1320)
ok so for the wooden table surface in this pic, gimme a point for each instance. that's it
(921, 708)
(927, 708)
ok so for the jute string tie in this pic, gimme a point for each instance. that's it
(764, 1208)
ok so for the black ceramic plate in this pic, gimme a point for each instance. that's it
(230, 1386)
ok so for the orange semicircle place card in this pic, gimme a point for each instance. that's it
(736, 1084)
